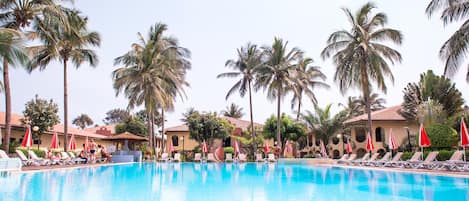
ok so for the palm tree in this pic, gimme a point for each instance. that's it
(153, 73)
(322, 123)
(454, 50)
(350, 107)
(307, 78)
(275, 75)
(376, 103)
(83, 121)
(233, 111)
(64, 44)
(360, 58)
(18, 15)
(249, 59)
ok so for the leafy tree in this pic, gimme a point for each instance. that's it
(41, 113)
(275, 74)
(83, 121)
(432, 87)
(233, 111)
(307, 78)
(115, 116)
(442, 136)
(454, 50)
(431, 112)
(360, 57)
(376, 103)
(66, 42)
(249, 59)
(322, 123)
(207, 127)
(18, 15)
(132, 125)
(290, 129)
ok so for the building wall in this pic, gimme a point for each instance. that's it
(398, 129)
(46, 140)
(189, 144)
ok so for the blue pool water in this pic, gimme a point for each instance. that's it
(227, 182)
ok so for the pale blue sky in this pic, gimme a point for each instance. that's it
(212, 30)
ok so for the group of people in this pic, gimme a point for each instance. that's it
(87, 153)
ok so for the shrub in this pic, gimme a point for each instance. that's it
(444, 155)
(406, 155)
(38, 152)
(442, 136)
(13, 146)
(228, 150)
(308, 156)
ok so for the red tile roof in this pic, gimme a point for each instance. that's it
(59, 128)
(179, 128)
(103, 130)
(386, 114)
(238, 123)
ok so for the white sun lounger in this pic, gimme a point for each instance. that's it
(348, 160)
(177, 157)
(164, 157)
(9, 164)
(393, 161)
(428, 163)
(259, 158)
(41, 161)
(211, 158)
(384, 159)
(242, 157)
(229, 157)
(453, 163)
(198, 157)
(25, 160)
(358, 161)
(271, 158)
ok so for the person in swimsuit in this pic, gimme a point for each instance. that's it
(93, 148)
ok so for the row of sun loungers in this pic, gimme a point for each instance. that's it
(211, 158)
(67, 158)
(455, 163)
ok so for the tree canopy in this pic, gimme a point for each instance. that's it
(207, 127)
(41, 113)
(289, 128)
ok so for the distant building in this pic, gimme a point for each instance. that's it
(176, 134)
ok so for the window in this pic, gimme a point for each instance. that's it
(335, 140)
(318, 142)
(360, 152)
(379, 132)
(175, 140)
(336, 154)
(227, 142)
(360, 135)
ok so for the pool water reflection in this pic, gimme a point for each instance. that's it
(230, 182)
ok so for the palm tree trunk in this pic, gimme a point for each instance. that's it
(299, 109)
(150, 138)
(254, 144)
(279, 140)
(65, 106)
(152, 133)
(6, 82)
(162, 130)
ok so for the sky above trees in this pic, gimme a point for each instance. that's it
(212, 30)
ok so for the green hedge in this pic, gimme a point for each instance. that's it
(38, 152)
(228, 150)
(443, 155)
(308, 156)
(442, 136)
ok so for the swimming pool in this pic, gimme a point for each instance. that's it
(227, 182)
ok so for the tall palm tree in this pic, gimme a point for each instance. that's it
(66, 43)
(18, 15)
(153, 73)
(275, 75)
(322, 123)
(233, 111)
(249, 59)
(360, 58)
(376, 103)
(307, 78)
(83, 121)
(454, 50)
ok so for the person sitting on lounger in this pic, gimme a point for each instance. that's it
(82, 155)
(104, 153)
(50, 155)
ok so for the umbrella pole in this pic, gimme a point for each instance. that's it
(421, 148)
(464, 153)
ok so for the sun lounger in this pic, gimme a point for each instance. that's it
(9, 164)
(384, 159)
(198, 157)
(396, 159)
(372, 159)
(259, 158)
(211, 158)
(164, 157)
(242, 157)
(271, 158)
(65, 158)
(25, 160)
(229, 157)
(428, 163)
(453, 163)
(344, 157)
(348, 159)
(177, 157)
(41, 161)
(415, 158)
(76, 159)
(358, 161)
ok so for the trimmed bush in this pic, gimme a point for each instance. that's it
(38, 152)
(308, 156)
(442, 136)
(444, 155)
(228, 150)
(406, 155)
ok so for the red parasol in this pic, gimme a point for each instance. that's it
(204, 147)
(55, 141)
(72, 145)
(266, 147)
(464, 137)
(392, 141)
(369, 143)
(349, 147)
(28, 138)
(323, 149)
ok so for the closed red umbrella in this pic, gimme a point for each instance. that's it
(349, 147)
(323, 149)
(72, 145)
(171, 147)
(288, 148)
(464, 137)
(55, 142)
(369, 143)
(266, 148)
(424, 141)
(28, 138)
(392, 141)
(236, 148)
(204, 147)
